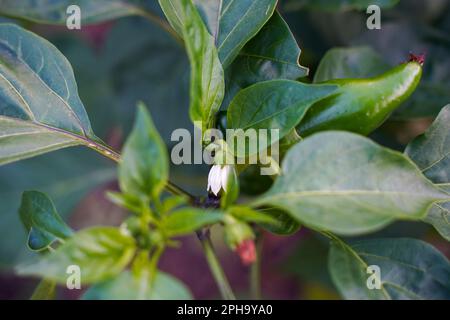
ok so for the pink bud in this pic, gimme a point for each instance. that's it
(246, 251)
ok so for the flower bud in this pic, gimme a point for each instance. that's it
(239, 237)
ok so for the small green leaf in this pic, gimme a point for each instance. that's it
(272, 54)
(127, 287)
(409, 269)
(233, 23)
(100, 252)
(350, 63)
(126, 201)
(347, 184)
(247, 214)
(188, 220)
(207, 79)
(40, 110)
(275, 104)
(143, 169)
(46, 290)
(42, 222)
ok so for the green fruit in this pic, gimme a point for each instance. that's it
(362, 105)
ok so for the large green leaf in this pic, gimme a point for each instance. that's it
(409, 269)
(100, 252)
(188, 220)
(275, 104)
(207, 78)
(234, 22)
(431, 152)
(41, 220)
(350, 63)
(40, 110)
(338, 5)
(144, 167)
(346, 183)
(272, 54)
(127, 287)
(55, 11)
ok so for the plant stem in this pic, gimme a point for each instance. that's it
(109, 153)
(255, 271)
(215, 267)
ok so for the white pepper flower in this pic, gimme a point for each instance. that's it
(218, 178)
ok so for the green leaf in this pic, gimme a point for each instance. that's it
(345, 183)
(247, 214)
(272, 54)
(41, 220)
(234, 22)
(46, 290)
(439, 218)
(67, 176)
(188, 220)
(338, 5)
(275, 104)
(431, 151)
(55, 11)
(350, 63)
(409, 269)
(207, 79)
(143, 169)
(100, 252)
(40, 110)
(127, 287)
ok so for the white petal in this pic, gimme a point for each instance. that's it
(214, 180)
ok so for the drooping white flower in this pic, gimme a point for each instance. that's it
(218, 178)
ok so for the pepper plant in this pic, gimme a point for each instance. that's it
(244, 74)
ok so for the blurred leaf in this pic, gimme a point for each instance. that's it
(233, 23)
(285, 225)
(272, 54)
(46, 290)
(40, 110)
(65, 175)
(350, 63)
(126, 287)
(188, 220)
(431, 153)
(143, 169)
(432, 93)
(347, 184)
(409, 269)
(275, 104)
(41, 220)
(248, 214)
(207, 80)
(337, 5)
(55, 11)
(100, 252)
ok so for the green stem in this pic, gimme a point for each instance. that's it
(255, 271)
(154, 263)
(109, 153)
(216, 268)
